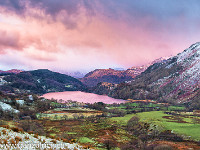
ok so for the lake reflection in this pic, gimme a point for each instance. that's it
(82, 97)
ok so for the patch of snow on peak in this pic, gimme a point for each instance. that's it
(189, 54)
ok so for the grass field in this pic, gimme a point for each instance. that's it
(65, 114)
(85, 140)
(123, 120)
(181, 125)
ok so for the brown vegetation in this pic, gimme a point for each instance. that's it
(12, 141)
(4, 131)
(17, 138)
(54, 141)
(5, 126)
(16, 129)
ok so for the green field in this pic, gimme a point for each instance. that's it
(65, 114)
(85, 140)
(123, 120)
(181, 125)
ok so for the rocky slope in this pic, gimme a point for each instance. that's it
(114, 76)
(176, 79)
(39, 81)
(23, 140)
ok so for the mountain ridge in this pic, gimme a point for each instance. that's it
(15, 71)
(113, 76)
(176, 79)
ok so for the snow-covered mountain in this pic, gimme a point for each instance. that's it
(175, 79)
(186, 81)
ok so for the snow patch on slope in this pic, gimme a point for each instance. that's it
(7, 107)
(31, 142)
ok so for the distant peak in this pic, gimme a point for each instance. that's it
(43, 70)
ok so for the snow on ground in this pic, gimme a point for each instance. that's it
(7, 107)
(30, 142)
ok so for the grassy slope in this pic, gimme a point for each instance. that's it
(85, 140)
(155, 117)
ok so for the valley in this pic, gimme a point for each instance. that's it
(99, 75)
(102, 126)
(156, 109)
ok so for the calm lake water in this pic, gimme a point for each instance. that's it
(82, 97)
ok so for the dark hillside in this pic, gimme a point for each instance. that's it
(41, 81)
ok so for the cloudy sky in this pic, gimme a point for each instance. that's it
(72, 35)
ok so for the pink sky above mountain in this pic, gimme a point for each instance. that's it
(83, 35)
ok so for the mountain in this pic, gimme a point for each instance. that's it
(15, 71)
(114, 76)
(76, 74)
(176, 79)
(105, 75)
(39, 81)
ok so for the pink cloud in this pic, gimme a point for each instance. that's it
(67, 40)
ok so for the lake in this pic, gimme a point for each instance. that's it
(82, 97)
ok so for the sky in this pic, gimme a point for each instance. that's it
(83, 35)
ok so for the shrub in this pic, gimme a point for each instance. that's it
(30, 132)
(65, 140)
(68, 136)
(2, 122)
(35, 136)
(128, 147)
(167, 135)
(12, 141)
(43, 141)
(17, 138)
(109, 144)
(5, 141)
(5, 126)
(4, 131)
(86, 147)
(73, 140)
(50, 136)
(16, 129)
(58, 138)
(27, 126)
(163, 147)
(54, 141)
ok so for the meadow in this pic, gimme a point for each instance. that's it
(180, 124)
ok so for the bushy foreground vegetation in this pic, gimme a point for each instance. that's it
(132, 125)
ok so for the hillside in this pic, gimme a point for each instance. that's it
(39, 81)
(103, 88)
(106, 75)
(23, 140)
(175, 80)
(114, 76)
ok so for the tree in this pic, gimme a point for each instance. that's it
(65, 117)
(109, 144)
(56, 117)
